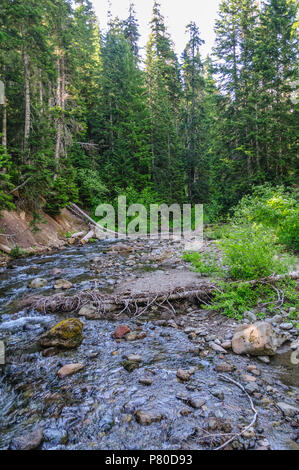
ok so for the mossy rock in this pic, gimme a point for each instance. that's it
(65, 335)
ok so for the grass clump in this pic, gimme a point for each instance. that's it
(17, 252)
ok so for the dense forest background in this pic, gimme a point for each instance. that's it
(85, 119)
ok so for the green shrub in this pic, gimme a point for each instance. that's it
(17, 252)
(204, 263)
(273, 207)
(234, 299)
(250, 253)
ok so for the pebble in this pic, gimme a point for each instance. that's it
(69, 369)
(183, 375)
(146, 418)
(145, 381)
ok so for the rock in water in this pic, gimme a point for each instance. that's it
(288, 410)
(183, 375)
(69, 369)
(258, 339)
(65, 335)
(121, 331)
(89, 311)
(62, 284)
(119, 248)
(38, 283)
(146, 418)
(28, 441)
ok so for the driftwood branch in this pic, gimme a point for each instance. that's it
(135, 304)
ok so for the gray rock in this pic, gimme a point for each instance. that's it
(196, 403)
(38, 283)
(286, 326)
(251, 388)
(28, 441)
(250, 316)
(287, 410)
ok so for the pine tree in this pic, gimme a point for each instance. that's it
(193, 114)
(123, 121)
(164, 90)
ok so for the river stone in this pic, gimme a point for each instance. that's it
(38, 283)
(119, 247)
(288, 410)
(121, 331)
(62, 284)
(65, 335)
(183, 375)
(147, 417)
(89, 311)
(258, 339)
(196, 403)
(146, 381)
(28, 441)
(224, 367)
(69, 369)
(286, 326)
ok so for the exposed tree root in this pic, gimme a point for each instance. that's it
(139, 304)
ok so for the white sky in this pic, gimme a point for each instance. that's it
(177, 13)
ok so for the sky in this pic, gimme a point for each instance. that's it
(177, 13)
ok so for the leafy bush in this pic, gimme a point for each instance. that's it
(17, 252)
(250, 253)
(273, 207)
(203, 263)
(234, 299)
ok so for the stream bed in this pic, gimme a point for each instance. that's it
(97, 407)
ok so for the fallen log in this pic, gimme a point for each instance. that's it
(88, 236)
(135, 305)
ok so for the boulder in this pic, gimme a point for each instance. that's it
(69, 369)
(258, 339)
(65, 335)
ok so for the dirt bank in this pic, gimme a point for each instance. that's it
(17, 229)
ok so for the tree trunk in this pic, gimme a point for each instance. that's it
(27, 99)
(4, 124)
(58, 103)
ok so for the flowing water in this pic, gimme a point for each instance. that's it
(95, 408)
